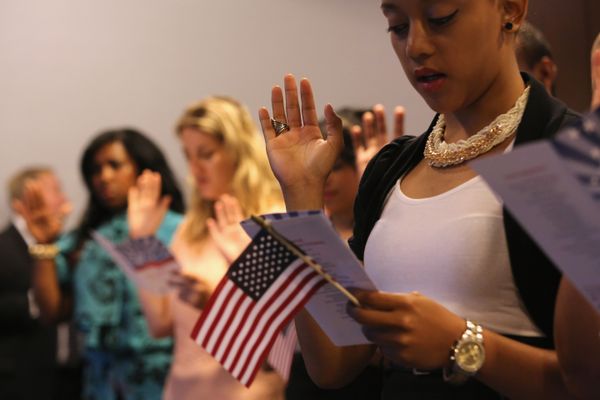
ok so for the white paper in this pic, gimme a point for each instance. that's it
(560, 213)
(152, 275)
(328, 305)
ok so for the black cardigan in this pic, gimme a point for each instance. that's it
(535, 276)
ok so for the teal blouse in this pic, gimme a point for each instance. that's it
(106, 306)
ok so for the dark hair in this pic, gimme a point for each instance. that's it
(145, 154)
(532, 46)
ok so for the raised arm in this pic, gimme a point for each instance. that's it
(300, 157)
(45, 227)
(145, 212)
(301, 160)
(369, 138)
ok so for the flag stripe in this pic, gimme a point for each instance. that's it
(215, 312)
(273, 292)
(262, 304)
(234, 327)
(282, 353)
(229, 345)
(277, 322)
(271, 322)
(226, 314)
(209, 305)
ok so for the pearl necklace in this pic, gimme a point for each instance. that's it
(441, 154)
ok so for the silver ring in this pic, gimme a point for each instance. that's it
(279, 126)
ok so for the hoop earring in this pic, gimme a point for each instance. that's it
(508, 26)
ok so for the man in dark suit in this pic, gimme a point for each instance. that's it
(27, 348)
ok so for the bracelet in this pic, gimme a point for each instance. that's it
(43, 251)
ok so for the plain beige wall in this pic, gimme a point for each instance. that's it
(70, 68)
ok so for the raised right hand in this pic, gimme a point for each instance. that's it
(44, 225)
(301, 158)
(369, 138)
(145, 207)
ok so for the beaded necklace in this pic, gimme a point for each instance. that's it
(441, 154)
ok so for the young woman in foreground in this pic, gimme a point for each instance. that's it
(456, 272)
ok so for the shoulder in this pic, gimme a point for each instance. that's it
(544, 115)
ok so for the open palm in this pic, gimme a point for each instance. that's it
(300, 158)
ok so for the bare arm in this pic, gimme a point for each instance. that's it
(301, 160)
(55, 305)
(45, 227)
(520, 371)
(329, 366)
(577, 335)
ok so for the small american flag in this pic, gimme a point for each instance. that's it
(259, 295)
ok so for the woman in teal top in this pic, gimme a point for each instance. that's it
(121, 359)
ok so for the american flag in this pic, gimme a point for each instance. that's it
(259, 295)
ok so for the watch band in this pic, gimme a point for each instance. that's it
(472, 337)
(43, 251)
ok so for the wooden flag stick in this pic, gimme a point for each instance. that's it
(266, 225)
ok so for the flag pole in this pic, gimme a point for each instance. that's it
(266, 225)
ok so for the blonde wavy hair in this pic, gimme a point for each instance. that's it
(253, 183)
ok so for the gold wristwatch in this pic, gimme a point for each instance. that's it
(467, 355)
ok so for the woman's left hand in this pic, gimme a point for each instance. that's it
(410, 329)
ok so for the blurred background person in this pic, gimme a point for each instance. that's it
(76, 277)
(534, 56)
(365, 133)
(28, 348)
(576, 321)
(231, 180)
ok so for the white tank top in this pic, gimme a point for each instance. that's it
(451, 248)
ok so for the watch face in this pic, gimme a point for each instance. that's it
(469, 356)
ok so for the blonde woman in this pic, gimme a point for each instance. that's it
(231, 180)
